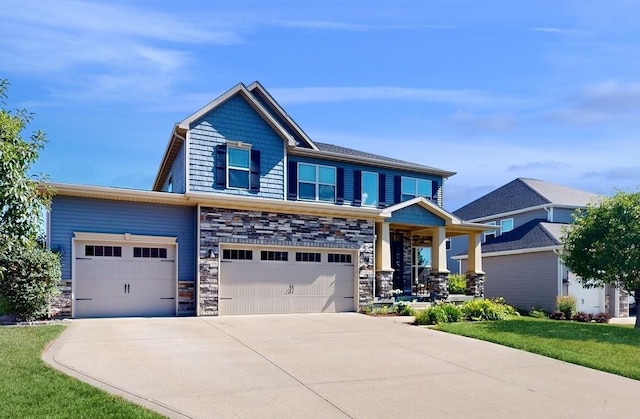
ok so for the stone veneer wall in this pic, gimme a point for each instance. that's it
(60, 307)
(219, 225)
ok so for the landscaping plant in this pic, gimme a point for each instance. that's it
(457, 284)
(567, 305)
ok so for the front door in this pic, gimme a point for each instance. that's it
(397, 260)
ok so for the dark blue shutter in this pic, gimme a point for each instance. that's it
(254, 179)
(221, 166)
(382, 191)
(357, 188)
(434, 191)
(397, 189)
(292, 175)
(340, 185)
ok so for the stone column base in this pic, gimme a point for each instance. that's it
(384, 283)
(438, 285)
(475, 284)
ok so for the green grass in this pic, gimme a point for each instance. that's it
(31, 389)
(605, 347)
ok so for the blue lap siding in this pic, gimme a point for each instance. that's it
(72, 214)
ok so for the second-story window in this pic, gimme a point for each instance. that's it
(316, 182)
(490, 234)
(413, 187)
(506, 225)
(238, 168)
(369, 189)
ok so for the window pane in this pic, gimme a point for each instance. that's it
(117, 251)
(88, 250)
(154, 252)
(326, 193)
(238, 179)
(307, 191)
(137, 252)
(238, 158)
(307, 172)
(327, 175)
(408, 186)
(99, 250)
(506, 225)
(370, 189)
(108, 250)
(424, 188)
(406, 197)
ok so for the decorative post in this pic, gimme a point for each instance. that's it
(475, 274)
(438, 284)
(384, 271)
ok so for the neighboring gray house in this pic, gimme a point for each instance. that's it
(520, 259)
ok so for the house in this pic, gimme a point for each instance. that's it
(520, 258)
(247, 215)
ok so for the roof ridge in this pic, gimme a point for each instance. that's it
(532, 189)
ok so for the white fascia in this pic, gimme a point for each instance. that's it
(546, 207)
(513, 252)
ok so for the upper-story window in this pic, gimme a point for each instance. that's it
(316, 182)
(170, 184)
(238, 168)
(506, 225)
(490, 234)
(370, 189)
(413, 187)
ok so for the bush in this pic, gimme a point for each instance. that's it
(403, 308)
(557, 315)
(582, 317)
(479, 309)
(567, 305)
(29, 280)
(439, 313)
(602, 317)
(457, 284)
(537, 313)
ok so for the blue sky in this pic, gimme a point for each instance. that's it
(493, 90)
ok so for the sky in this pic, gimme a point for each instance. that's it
(493, 90)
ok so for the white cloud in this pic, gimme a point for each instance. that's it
(354, 27)
(559, 31)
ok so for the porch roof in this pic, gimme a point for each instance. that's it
(421, 214)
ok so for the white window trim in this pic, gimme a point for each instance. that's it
(230, 167)
(501, 224)
(377, 189)
(318, 183)
(487, 233)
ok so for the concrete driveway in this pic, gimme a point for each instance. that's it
(327, 366)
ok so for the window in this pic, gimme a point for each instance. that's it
(412, 187)
(339, 258)
(106, 251)
(238, 168)
(237, 254)
(307, 257)
(316, 183)
(150, 252)
(447, 243)
(270, 255)
(490, 234)
(170, 184)
(506, 225)
(369, 189)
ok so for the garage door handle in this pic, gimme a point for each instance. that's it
(167, 298)
(167, 260)
(348, 297)
(225, 298)
(84, 299)
(83, 258)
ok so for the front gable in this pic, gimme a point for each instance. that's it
(416, 215)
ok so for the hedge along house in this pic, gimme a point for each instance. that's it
(248, 215)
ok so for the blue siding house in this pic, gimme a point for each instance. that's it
(248, 215)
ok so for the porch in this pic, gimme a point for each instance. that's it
(411, 248)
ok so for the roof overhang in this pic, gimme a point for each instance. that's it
(299, 151)
(177, 138)
(512, 252)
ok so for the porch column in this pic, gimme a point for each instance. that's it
(438, 283)
(384, 271)
(475, 274)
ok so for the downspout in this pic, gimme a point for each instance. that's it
(549, 213)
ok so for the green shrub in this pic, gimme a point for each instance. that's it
(567, 305)
(403, 308)
(457, 284)
(29, 280)
(538, 313)
(439, 313)
(481, 309)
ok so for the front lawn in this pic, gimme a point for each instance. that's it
(31, 389)
(605, 347)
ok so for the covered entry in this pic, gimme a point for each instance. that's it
(117, 275)
(260, 280)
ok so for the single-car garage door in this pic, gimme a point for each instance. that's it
(117, 279)
(255, 280)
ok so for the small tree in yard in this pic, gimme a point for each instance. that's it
(29, 273)
(602, 246)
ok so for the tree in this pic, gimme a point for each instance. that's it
(602, 246)
(29, 274)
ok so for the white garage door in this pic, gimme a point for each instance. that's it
(116, 279)
(286, 280)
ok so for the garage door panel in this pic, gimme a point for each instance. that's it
(257, 286)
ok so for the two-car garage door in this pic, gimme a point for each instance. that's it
(125, 278)
(260, 280)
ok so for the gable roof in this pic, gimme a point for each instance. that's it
(523, 193)
(531, 235)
